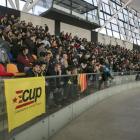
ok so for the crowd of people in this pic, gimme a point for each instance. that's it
(61, 55)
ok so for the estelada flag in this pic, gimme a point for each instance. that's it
(25, 99)
(82, 83)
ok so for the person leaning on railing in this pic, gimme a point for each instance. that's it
(56, 84)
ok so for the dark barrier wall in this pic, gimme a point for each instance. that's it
(9, 11)
(136, 47)
(94, 36)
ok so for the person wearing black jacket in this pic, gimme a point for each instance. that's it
(56, 84)
(46, 28)
(68, 86)
(16, 48)
(29, 42)
(34, 71)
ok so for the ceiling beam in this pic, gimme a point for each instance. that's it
(116, 19)
(115, 15)
(32, 5)
(136, 36)
(128, 25)
(99, 6)
(134, 27)
(12, 4)
(26, 5)
(17, 4)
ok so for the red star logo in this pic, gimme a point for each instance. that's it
(15, 100)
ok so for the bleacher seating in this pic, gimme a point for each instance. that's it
(3, 73)
(12, 68)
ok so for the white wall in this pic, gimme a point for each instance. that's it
(107, 40)
(82, 33)
(36, 20)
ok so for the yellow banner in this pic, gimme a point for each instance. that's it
(25, 99)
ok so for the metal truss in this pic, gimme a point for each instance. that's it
(136, 25)
(12, 4)
(116, 19)
(115, 15)
(32, 5)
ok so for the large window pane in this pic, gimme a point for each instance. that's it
(101, 22)
(3, 2)
(108, 26)
(109, 32)
(114, 27)
(101, 15)
(89, 1)
(107, 9)
(116, 35)
(103, 31)
(114, 21)
(121, 16)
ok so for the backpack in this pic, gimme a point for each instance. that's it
(4, 59)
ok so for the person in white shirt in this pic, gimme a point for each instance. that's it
(82, 46)
(47, 43)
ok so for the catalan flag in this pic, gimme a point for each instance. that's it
(82, 83)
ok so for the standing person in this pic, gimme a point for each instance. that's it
(68, 86)
(16, 48)
(56, 85)
(46, 28)
(47, 88)
(30, 43)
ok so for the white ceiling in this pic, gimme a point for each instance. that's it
(135, 4)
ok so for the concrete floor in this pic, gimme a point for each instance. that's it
(116, 118)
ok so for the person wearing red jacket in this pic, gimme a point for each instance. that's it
(24, 60)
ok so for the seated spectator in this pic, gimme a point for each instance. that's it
(1, 34)
(24, 60)
(34, 71)
(41, 49)
(37, 43)
(70, 36)
(74, 62)
(10, 38)
(41, 58)
(82, 47)
(57, 59)
(47, 43)
(64, 62)
(16, 48)
(54, 45)
(44, 57)
(59, 51)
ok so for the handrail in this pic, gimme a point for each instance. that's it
(59, 76)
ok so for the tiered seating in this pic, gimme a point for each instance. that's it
(3, 73)
(12, 68)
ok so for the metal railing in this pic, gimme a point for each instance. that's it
(94, 82)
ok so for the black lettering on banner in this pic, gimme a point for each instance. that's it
(23, 97)
(38, 93)
(32, 94)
